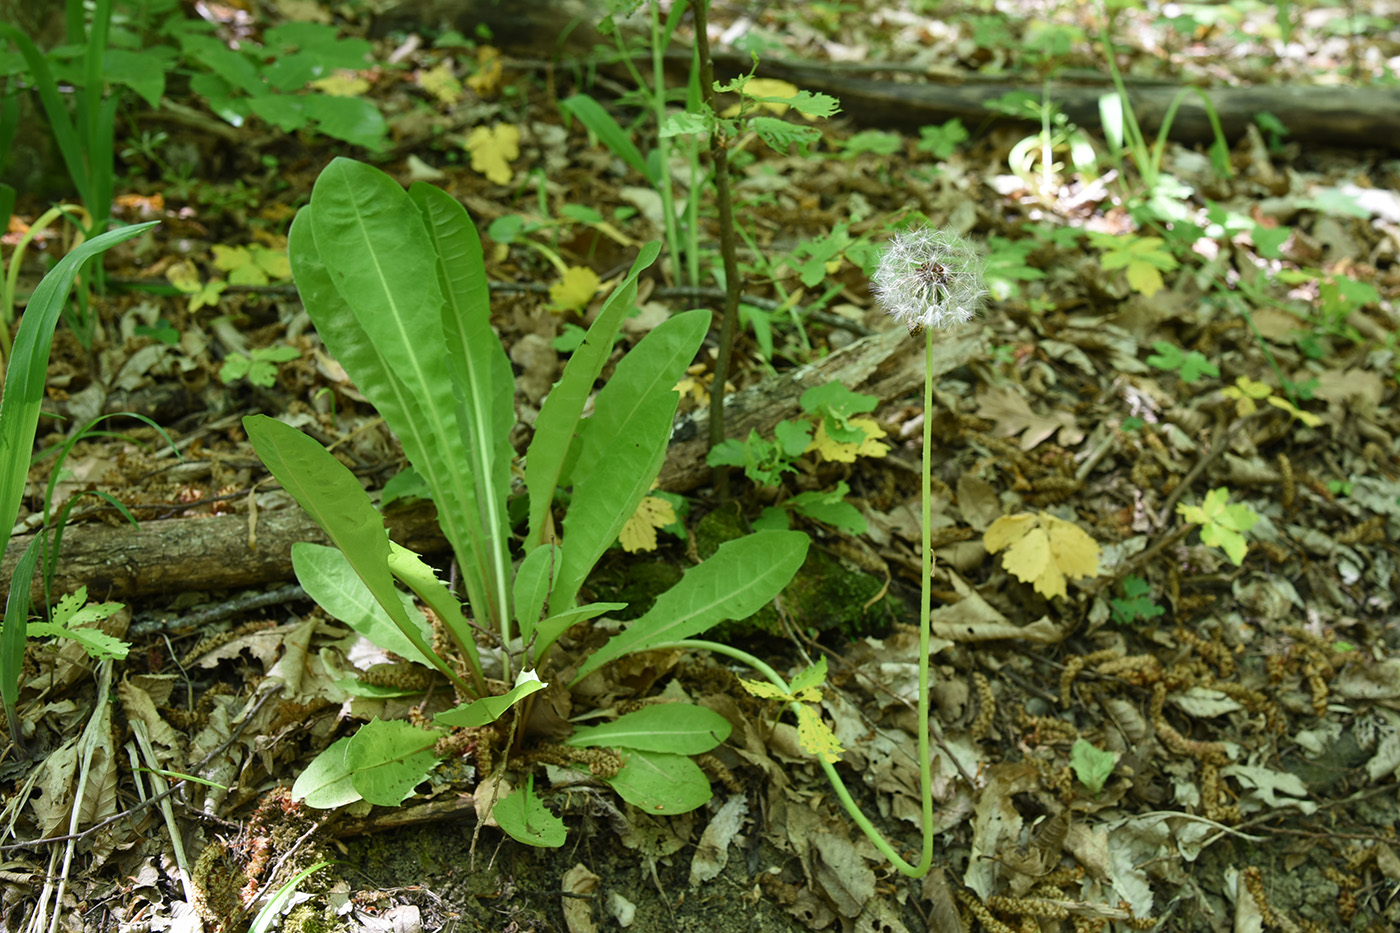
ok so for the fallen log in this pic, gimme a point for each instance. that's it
(229, 551)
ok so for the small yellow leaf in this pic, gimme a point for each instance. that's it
(766, 87)
(838, 452)
(639, 534)
(441, 83)
(816, 736)
(1143, 277)
(486, 81)
(1244, 392)
(575, 290)
(493, 149)
(342, 84)
(1306, 417)
(1043, 550)
(1007, 529)
(765, 691)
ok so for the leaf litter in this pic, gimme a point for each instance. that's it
(1262, 694)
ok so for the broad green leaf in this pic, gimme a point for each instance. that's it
(367, 273)
(525, 818)
(678, 728)
(326, 784)
(623, 445)
(484, 388)
(1091, 765)
(329, 578)
(661, 784)
(559, 416)
(387, 759)
(736, 582)
(332, 496)
(489, 709)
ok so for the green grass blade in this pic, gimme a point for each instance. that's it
(29, 365)
(601, 124)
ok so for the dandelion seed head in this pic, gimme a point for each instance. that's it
(930, 278)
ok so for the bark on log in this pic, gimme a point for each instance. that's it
(218, 553)
(1364, 117)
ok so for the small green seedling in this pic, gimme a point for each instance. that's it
(258, 366)
(73, 619)
(1091, 765)
(1222, 525)
(806, 696)
(1135, 605)
(1191, 366)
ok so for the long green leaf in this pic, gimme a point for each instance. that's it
(330, 579)
(365, 240)
(623, 445)
(29, 365)
(559, 416)
(331, 495)
(485, 394)
(413, 573)
(601, 124)
(740, 578)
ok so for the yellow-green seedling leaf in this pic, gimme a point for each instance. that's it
(816, 736)
(677, 728)
(489, 709)
(526, 819)
(492, 149)
(342, 84)
(1245, 391)
(1222, 524)
(838, 452)
(1043, 550)
(639, 534)
(184, 276)
(1306, 417)
(575, 290)
(441, 83)
(1091, 765)
(70, 618)
(804, 685)
(251, 265)
(1142, 256)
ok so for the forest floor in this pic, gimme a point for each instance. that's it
(1175, 738)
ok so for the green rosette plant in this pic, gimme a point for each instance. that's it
(395, 282)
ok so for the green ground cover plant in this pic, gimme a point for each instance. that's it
(378, 268)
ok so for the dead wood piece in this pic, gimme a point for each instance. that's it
(183, 554)
(215, 553)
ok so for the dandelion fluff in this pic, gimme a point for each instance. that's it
(930, 278)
